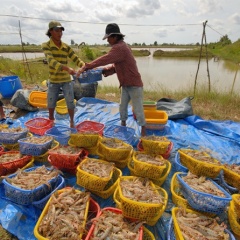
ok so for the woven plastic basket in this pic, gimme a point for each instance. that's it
(90, 126)
(177, 198)
(15, 146)
(91, 181)
(147, 234)
(70, 158)
(178, 165)
(114, 153)
(147, 169)
(12, 166)
(177, 230)
(155, 146)
(149, 212)
(166, 155)
(34, 149)
(12, 137)
(90, 234)
(236, 203)
(39, 125)
(231, 177)
(125, 134)
(25, 197)
(60, 183)
(159, 181)
(84, 140)
(203, 201)
(111, 185)
(233, 219)
(45, 211)
(199, 167)
(61, 134)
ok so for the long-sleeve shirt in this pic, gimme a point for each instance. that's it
(56, 57)
(123, 63)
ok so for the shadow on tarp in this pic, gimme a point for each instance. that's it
(221, 137)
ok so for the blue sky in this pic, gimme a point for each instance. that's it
(142, 21)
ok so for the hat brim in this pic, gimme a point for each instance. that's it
(108, 35)
(48, 31)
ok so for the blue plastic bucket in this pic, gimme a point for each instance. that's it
(9, 85)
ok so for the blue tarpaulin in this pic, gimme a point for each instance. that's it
(222, 138)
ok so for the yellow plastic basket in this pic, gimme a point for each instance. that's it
(44, 157)
(111, 185)
(199, 167)
(236, 203)
(233, 219)
(158, 181)
(119, 163)
(147, 169)
(147, 235)
(61, 106)
(84, 140)
(155, 147)
(90, 181)
(45, 210)
(149, 212)
(114, 154)
(231, 177)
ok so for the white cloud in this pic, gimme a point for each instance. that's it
(177, 20)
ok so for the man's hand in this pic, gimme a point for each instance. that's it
(80, 70)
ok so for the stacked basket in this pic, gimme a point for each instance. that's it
(87, 136)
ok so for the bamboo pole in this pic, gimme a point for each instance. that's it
(24, 54)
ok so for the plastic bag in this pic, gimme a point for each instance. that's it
(176, 109)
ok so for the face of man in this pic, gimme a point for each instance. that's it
(56, 33)
(112, 39)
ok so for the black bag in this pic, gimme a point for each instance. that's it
(176, 109)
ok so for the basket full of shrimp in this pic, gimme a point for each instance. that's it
(11, 161)
(147, 165)
(34, 145)
(66, 156)
(156, 145)
(114, 149)
(12, 135)
(189, 224)
(111, 224)
(231, 174)
(200, 162)
(32, 184)
(94, 174)
(139, 198)
(64, 216)
(203, 194)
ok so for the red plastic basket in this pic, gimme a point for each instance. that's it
(39, 125)
(165, 155)
(113, 210)
(67, 160)
(10, 167)
(91, 126)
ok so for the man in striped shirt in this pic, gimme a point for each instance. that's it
(124, 65)
(57, 54)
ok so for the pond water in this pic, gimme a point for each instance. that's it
(174, 73)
